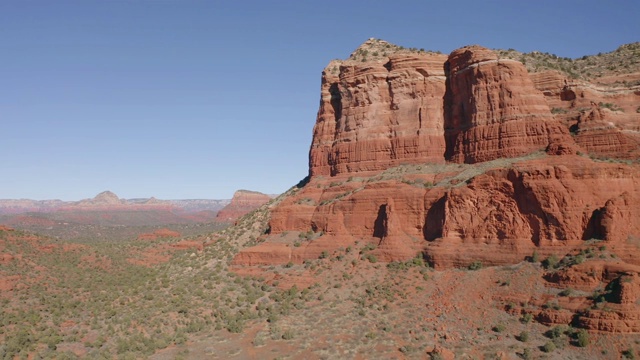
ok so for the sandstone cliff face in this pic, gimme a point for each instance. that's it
(418, 153)
(243, 202)
(493, 109)
(376, 115)
(462, 160)
(423, 108)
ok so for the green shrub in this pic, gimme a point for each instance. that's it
(526, 318)
(499, 328)
(417, 261)
(524, 336)
(476, 265)
(535, 257)
(610, 106)
(288, 334)
(582, 338)
(556, 332)
(549, 347)
(629, 354)
(566, 292)
(550, 262)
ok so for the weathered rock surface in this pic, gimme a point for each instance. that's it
(375, 115)
(493, 109)
(604, 121)
(462, 160)
(242, 203)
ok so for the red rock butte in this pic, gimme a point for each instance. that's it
(242, 203)
(461, 159)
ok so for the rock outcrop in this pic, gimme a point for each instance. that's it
(459, 158)
(374, 115)
(493, 109)
(466, 160)
(604, 121)
(242, 203)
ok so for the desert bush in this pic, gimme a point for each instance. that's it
(535, 257)
(550, 262)
(629, 354)
(524, 336)
(610, 106)
(526, 318)
(476, 265)
(548, 347)
(566, 292)
(288, 334)
(556, 332)
(582, 338)
(499, 328)
(368, 247)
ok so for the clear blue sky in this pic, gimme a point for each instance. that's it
(195, 99)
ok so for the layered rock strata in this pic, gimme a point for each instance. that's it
(465, 160)
(493, 109)
(376, 115)
(458, 158)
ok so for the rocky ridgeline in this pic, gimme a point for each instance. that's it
(465, 159)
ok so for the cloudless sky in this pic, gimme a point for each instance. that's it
(196, 99)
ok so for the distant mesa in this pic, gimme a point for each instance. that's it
(242, 203)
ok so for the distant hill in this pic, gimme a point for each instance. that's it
(109, 200)
(106, 217)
